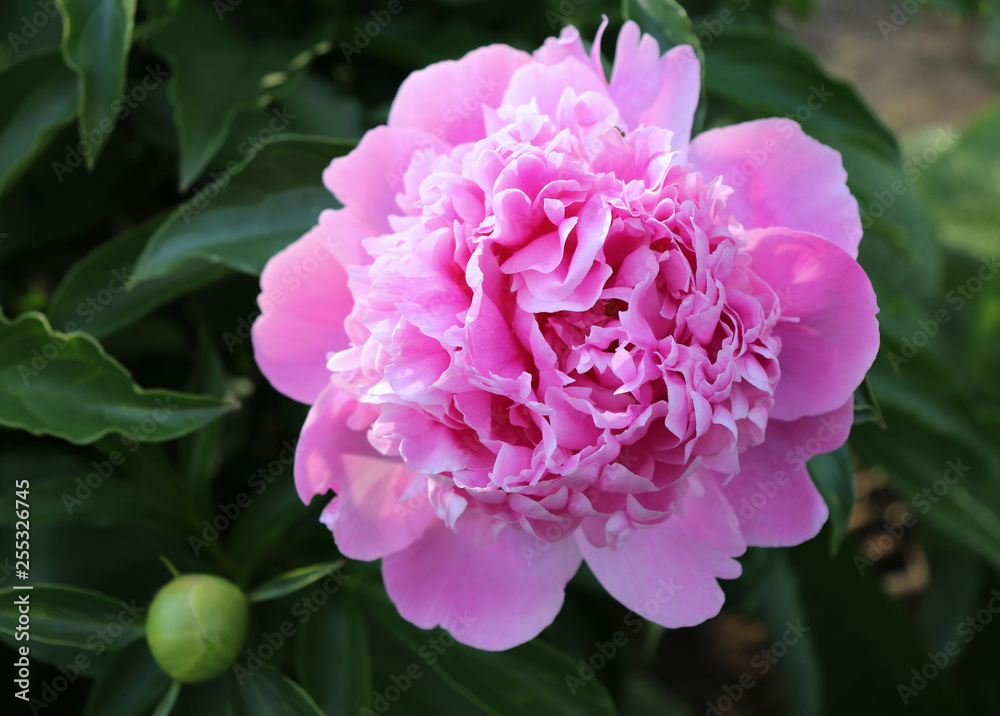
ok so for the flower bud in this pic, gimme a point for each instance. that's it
(196, 626)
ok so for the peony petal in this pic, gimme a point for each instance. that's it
(369, 517)
(303, 301)
(773, 496)
(445, 100)
(831, 343)
(781, 177)
(368, 179)
(490, 596)
(668, 573)
(655, 91)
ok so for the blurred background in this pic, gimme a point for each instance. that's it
(149, 237)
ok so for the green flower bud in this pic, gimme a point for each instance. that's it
(196, 626)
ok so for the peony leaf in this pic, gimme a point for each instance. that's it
(70, 616)
(66, 385)
(951, 480)
(863, 615)
(333, 661)
(40, 96)
(267, 201)
(963, 189)
(129, 686)
(767, 73)
(169, 700)
(63, 483)
(291, 582)
(24, 33)
(96, 39)
(779, 606)
(267, 693)
(216, 74)
(833, 475)
(93, 295)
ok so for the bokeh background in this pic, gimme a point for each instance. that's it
(145, 239)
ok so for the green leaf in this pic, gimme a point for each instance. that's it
(864, 643)
(24, 33)
(40, 96)
(644, 697)
(93, 294)
(530, 678)
(66, 385)
(780, 607)
(216, 74)
(199, 452)
(766, 72)
(268, 201)
(292, 581)
(758, 72)
(940, 447)
(69, 616)
(321, 108)
(953, 593)
(166, 705)
(962, 183)
(264, 525)
(833, 475)
(96, 39)
(129, 686)
(267, 693)
(67, 489)
(332, 659)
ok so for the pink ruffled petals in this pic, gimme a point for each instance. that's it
(542, 321)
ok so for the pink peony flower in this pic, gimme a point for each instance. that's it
(555, 329)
